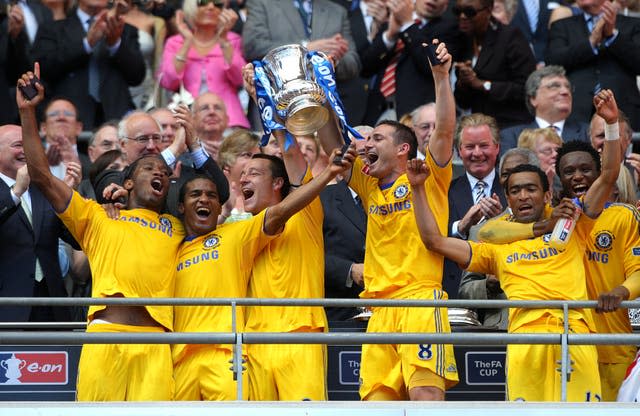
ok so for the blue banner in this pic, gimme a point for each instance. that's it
(264, 95)
(324, 76)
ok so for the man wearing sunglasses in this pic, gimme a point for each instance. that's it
(494, 65)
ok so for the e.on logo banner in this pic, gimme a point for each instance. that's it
(34, 367)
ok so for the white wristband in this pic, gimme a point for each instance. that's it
(611, 131)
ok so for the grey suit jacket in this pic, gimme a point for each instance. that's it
(272, 23)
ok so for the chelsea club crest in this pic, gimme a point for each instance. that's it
(401, 191)
(212, 242)
(165, 222)
(604, 240)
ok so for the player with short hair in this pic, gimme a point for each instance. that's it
(217, 262)
(518, 266)
(396, 265)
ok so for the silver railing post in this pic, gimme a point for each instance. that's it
(236, 360)
(566, 363)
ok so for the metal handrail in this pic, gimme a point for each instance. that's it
(237, 339)
(450, 303)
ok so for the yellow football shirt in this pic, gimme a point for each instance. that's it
(216, 265)
(396, 261)
(134, 255)
(612, 255)
(531, 270)
(290, 266)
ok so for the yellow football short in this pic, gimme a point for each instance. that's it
(205, 374)
(611, 377)
(388, 372)
(119, 372)
(533, 370)
(291, 372)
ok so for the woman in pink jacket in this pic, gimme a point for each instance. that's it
(206, 56)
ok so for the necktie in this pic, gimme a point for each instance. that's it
(26, 207)
(360, 208)
(532, 7)
(94, 72)
(555, 128)
(478, 191)
(388, 83)
(591, 22)
(306, 13)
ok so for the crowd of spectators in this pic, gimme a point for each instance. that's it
(524, 75)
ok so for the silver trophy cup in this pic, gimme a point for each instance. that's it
(292, 79)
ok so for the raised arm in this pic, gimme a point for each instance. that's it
(203, 162)
(277, 215)
(441, 142)
(55, 190)
(293, 159)
(600, 191)
(452, 248)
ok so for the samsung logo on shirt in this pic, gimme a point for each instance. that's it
(534, 255)
(185, 264)
(164, 224)
(387, 209)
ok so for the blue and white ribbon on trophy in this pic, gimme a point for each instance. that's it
(264, 95)
(324, 76)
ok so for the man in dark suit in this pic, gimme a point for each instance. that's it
(494, 65)
(532, 18)
(548, 98)
(413, 81)
(366, 17)
(18, 28)
(344, 229)
(91, 57)
(599, 49)
(29, 232)
(477, 194)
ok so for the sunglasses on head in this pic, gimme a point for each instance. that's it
(468, 11)
(216, 3)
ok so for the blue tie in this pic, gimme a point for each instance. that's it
(94, 71)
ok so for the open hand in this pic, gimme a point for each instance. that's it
(73, 175)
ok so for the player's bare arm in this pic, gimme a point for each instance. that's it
(599, 193)
(441, 142)
(452, 248)
(277, 215)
